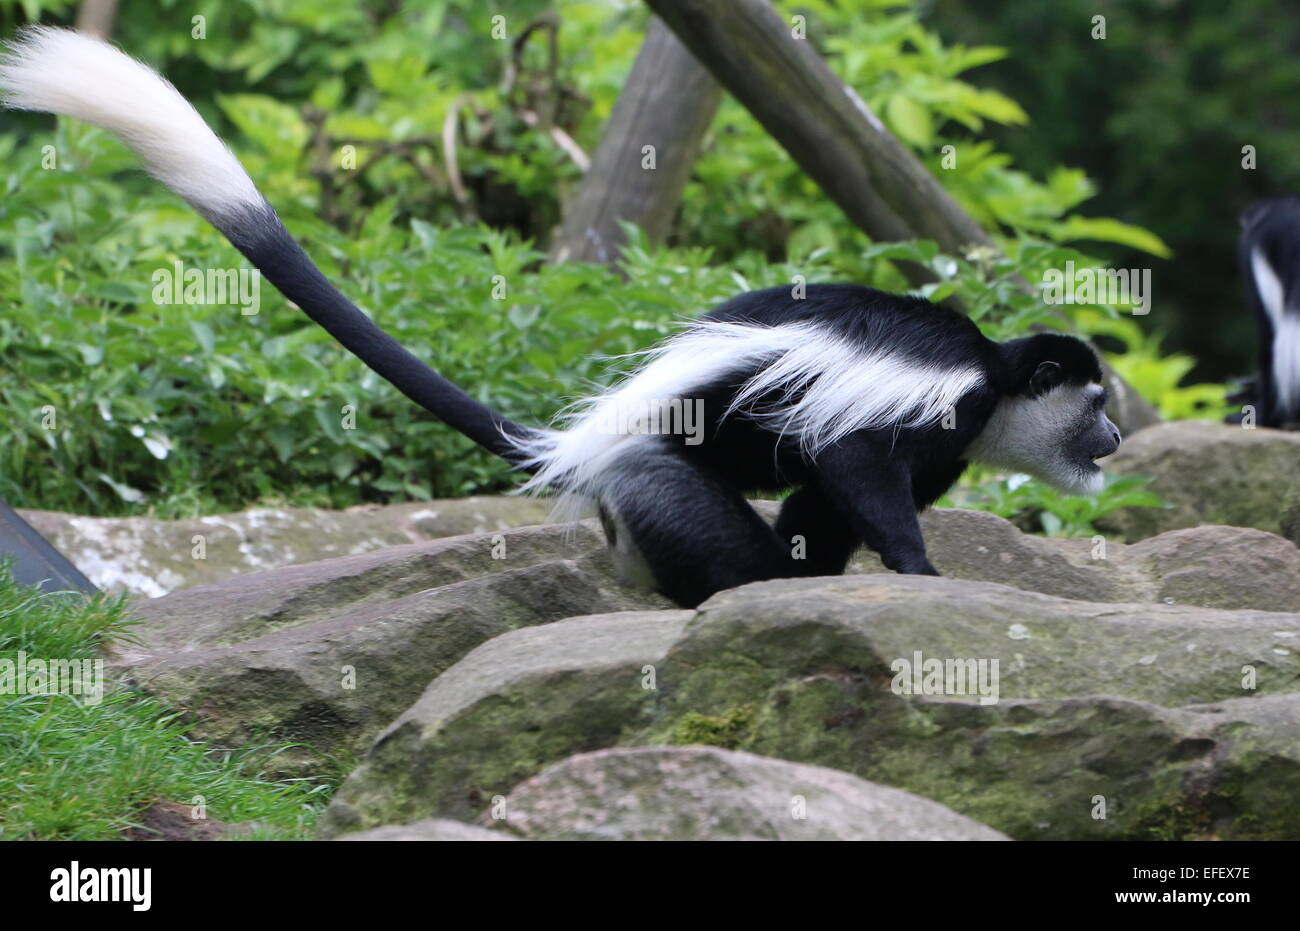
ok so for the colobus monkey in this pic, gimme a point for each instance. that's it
(868, 405)
(1269, 255)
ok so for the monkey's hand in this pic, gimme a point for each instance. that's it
(911, 564)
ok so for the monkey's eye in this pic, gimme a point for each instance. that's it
(1099, 401)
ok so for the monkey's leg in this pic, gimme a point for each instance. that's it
(816, 533)
(695, 534)
(874, 490)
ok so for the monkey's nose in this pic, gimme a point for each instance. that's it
(1115, 436)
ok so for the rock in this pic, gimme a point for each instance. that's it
(705, 793)
(429, 829)
(1214, 567)
(326, 654)
(1219, 567)
(1207, 473)
(1290, 513)
(1144, 710)
(697, 793)
(148, 558)
(982, 546)
(520, 692)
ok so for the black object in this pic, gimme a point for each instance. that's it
(34, 560)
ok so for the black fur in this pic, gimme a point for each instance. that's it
(684, 506)
(1273, 227)
(260, 236)
(683, 503)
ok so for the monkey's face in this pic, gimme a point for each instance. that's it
(1087, 435)
(1054, 431)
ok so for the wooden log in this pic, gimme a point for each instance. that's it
(667, 102)
(97, 17)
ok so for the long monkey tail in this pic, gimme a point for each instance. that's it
(69, 73)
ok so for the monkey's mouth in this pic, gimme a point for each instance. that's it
(1082, 477)
(1089, 473)
(1091, 479)
(1089, 462)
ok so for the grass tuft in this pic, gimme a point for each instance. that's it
(73, 768)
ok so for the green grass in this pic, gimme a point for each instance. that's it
(76, 770)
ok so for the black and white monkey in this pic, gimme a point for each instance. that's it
(1269, 255)
(868, 405)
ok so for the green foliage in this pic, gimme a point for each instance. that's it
(116, 404)
(1035, 506)
(748, 194)
(995, 287)
(75, 769)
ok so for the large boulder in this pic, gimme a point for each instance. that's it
(324, 655)
(1213, 566)
(145, 557)
(1207, 473)
(706, 793)
(1216, 567)
(1083, 720)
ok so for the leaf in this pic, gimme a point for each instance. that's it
(204, 337)
(282, 441)
(996, 107)
(119, 292)
(523, 316)
(910, 121)
(426, 234)
(397, 76)
(921, 250)
(328, 417)
(328, 94)
(91, 354)
(275, 127)
(343, 463)
(1109, 230)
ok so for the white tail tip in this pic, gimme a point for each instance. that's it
(70, 73)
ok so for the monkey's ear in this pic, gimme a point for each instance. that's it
(1046, 377)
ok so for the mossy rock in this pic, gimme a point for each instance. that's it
(1206, 473)
(1172, 719)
